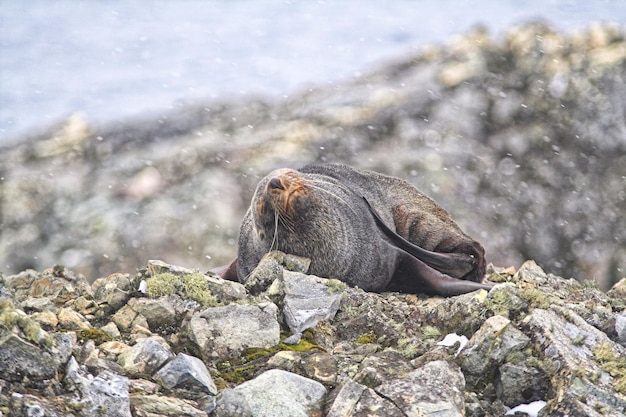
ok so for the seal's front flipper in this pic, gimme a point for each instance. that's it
(228, 272)
(414, 276)
(454, 264)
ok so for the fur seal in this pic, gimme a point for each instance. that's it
(367, 229)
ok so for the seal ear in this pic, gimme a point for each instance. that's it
(228, 272)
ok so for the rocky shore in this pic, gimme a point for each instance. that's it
(522, 139)
(169, 341)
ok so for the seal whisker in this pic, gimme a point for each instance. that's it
(286, 220)
(274, 238)
(312, 185)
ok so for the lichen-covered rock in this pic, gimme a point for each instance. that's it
(57, 285)
(21, 359)
(489, 347)
(534, 337)
(270, 269)
(273, 393)
(592, 367)
(229, 330)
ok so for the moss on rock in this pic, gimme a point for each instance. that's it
(189, 286)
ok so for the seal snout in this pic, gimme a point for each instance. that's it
(276, 184)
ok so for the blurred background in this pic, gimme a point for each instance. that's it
(132, 131)
(116, 59)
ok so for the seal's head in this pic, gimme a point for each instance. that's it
(278, 202)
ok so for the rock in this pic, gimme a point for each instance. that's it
(159, 405)
(435, 389)
(381, 367)
(268, 271)
(229, 330)
(126, 317)
(309, 300)
(489, 347)
(103, 395)
(144, 358)
(57, 284)
(321, 367)
(520, 384)
(113, 291)
(208, 289)
(353, 399)
(158, 312)
(20, 359)
(187, 372)
(620, 328)
(72, 320)
(534, 338)
(273, 393)
(586, 355)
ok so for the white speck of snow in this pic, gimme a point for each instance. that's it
(531, 409)
(451, 339)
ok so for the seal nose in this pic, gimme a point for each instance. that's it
(276, 184)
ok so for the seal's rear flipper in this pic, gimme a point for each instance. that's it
(414, 276)
(454, 263)
(228, 272)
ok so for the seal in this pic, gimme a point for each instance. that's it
(364, 228)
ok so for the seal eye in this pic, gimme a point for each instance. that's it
(276, 184)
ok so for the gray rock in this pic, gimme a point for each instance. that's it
(435, 389)
(113, 291)
(57, 284)
(267, 271)
(160, 405)
(489, 346)
(381, 367)
(103, 395)
(520, 384)
(309, 300)
(144, 358)
(620, 328)
(577, 348)
(356, 400)
(157, 311)
(187, 372)
(20, 359)
(229, 330)
(273, 393)
(225, 291)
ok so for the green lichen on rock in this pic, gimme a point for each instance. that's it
(366, 338)
(616, 367)
(334, 286)
(97, 335)
(189, 286)
(535, 297)
(431, 332)
(252, 360)
(31, 330)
